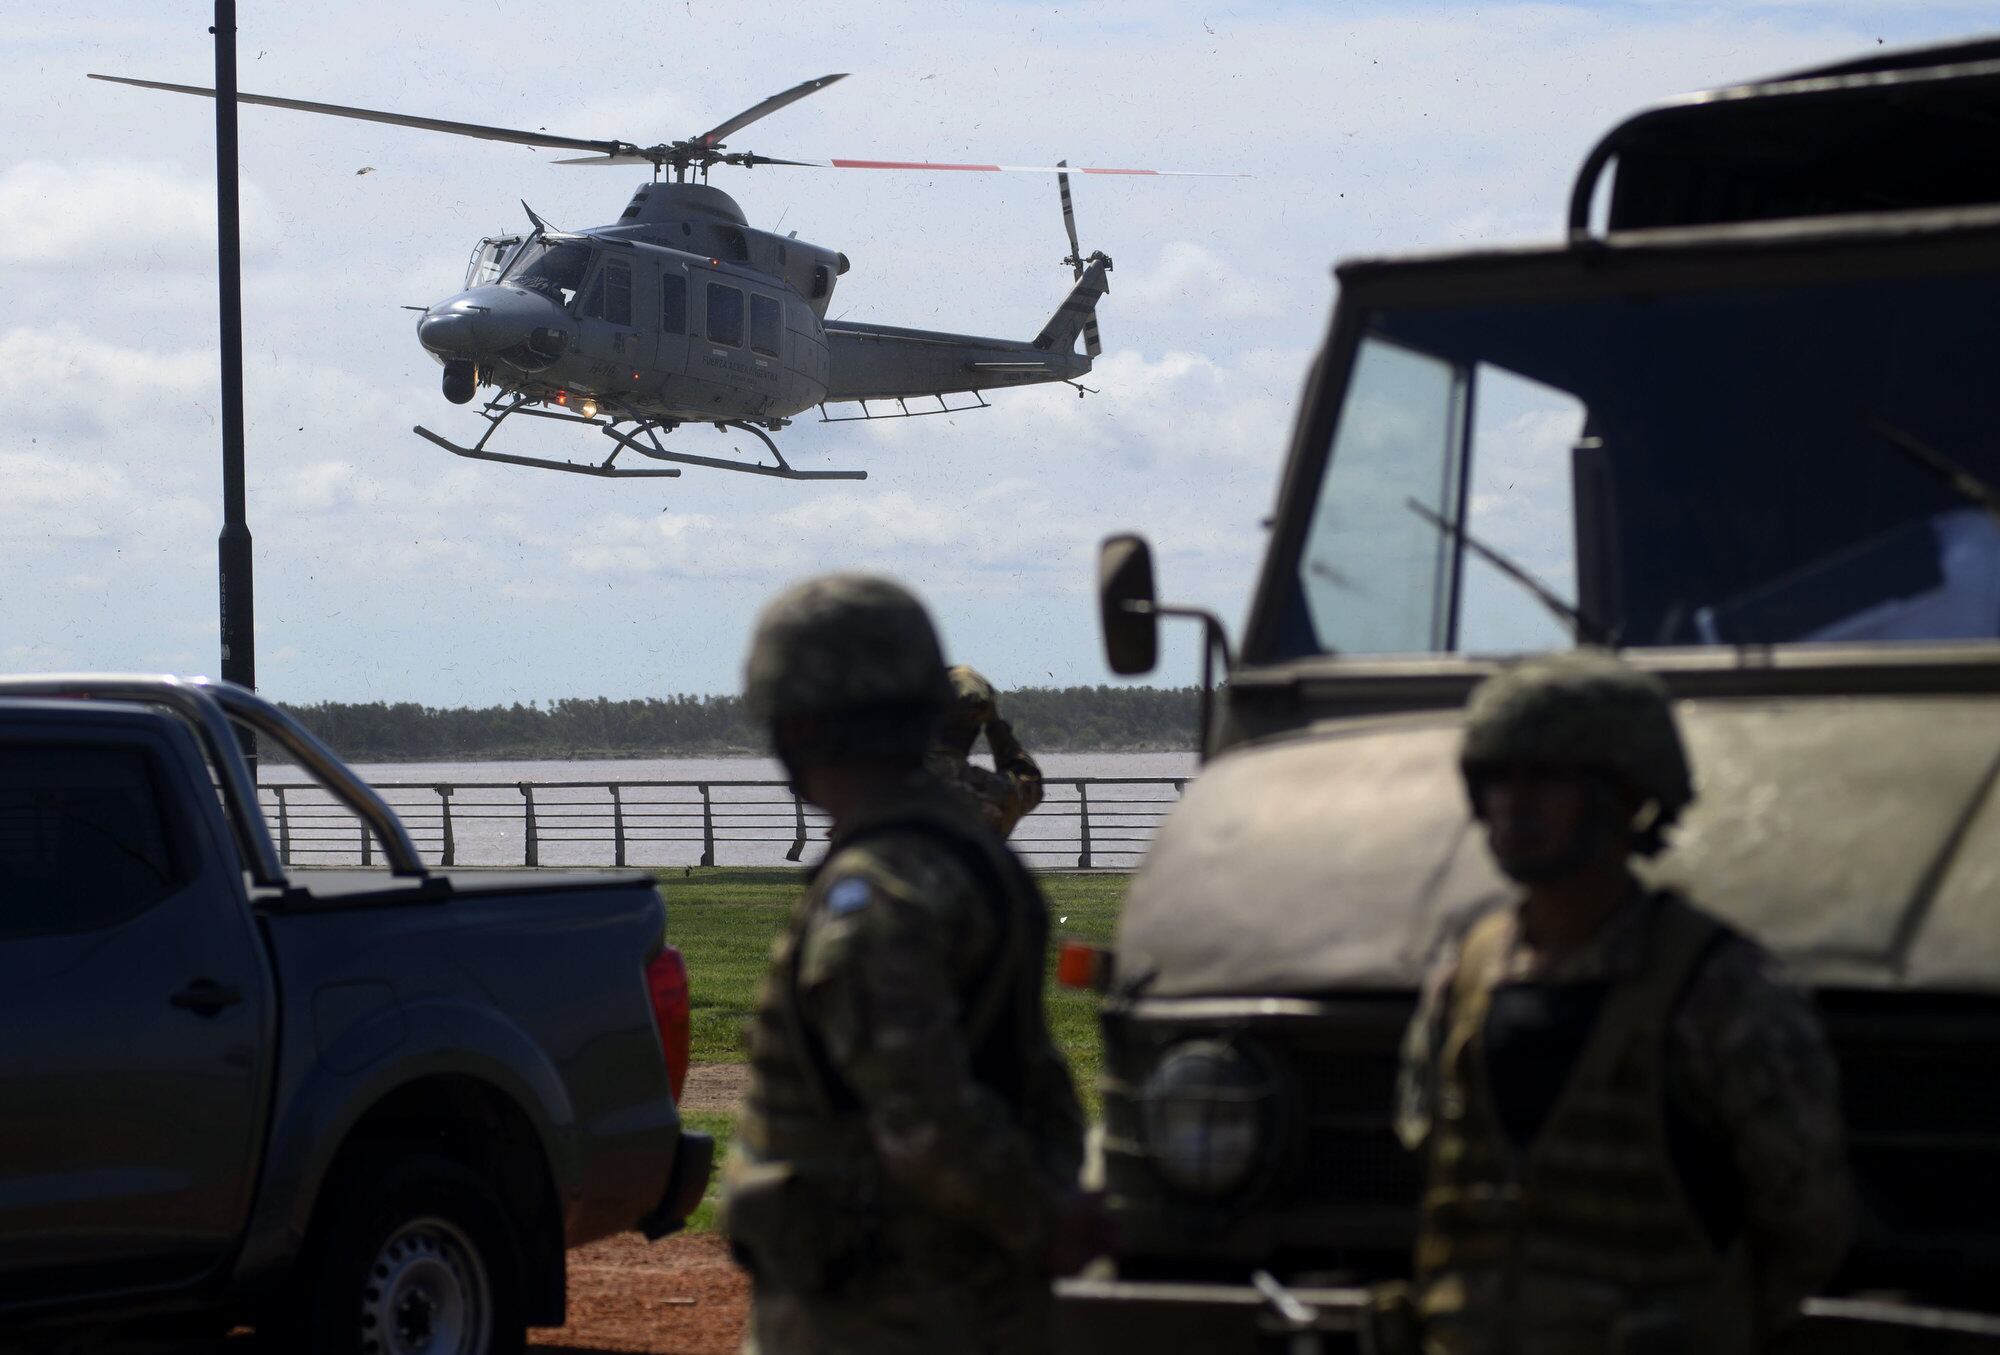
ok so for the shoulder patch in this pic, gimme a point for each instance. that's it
(849, 895)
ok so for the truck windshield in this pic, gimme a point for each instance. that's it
(1685, 469)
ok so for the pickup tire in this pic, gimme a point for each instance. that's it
(412, 1252)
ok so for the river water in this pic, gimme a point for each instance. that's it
(673, 811)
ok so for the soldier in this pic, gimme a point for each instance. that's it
(1008, 793)
(1629, 1121)
(903, 1176)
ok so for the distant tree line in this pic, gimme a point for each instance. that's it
(1047, 719)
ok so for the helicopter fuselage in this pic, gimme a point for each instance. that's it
(680, 311)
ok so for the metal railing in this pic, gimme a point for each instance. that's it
(1086, 822)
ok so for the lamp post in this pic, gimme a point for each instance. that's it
(233, 556)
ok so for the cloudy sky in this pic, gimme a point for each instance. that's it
(389, 570)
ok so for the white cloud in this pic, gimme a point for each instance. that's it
(387, 568)
(119, 216)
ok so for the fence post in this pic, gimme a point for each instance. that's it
(531, 848)
(707, 828)
(284, 827)
(798, 846)
(1083, 823)
(450, 854)
(617, 826)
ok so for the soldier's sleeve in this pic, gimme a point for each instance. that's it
(1758, 1059)
(883, 955)
(1013, 761)
(1423, 1042)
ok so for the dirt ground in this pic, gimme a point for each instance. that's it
(715, 1088)
(683, 1296)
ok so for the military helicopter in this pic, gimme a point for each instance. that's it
(681, 312)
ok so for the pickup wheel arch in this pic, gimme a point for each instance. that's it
(454, 1067)
(474, 1123)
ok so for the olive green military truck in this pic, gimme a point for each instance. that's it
(1743, 422)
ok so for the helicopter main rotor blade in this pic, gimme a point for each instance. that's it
(1019, 169)
(632, 158)
(473, 129)
(721, 130)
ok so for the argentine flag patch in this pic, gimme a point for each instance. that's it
(848, 896)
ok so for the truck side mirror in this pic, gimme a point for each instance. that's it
(1125, 604)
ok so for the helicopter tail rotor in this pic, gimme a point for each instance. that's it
(1092, 346)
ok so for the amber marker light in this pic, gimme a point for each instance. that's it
(1083, 966)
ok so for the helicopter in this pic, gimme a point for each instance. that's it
(682, 313)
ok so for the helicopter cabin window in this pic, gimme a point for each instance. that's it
(764, 325)
(610, 295)
(673, 303)
(725, 315)
(554, 269)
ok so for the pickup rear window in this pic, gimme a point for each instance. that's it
(84, 841)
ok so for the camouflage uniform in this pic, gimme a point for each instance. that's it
(1011, 790)
(1745, 1060)
(1737, 1080)
(910, 1137)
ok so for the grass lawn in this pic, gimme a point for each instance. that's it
(723, 918)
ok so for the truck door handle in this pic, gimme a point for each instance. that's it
(206, 997)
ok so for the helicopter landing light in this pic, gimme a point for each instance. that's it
(588, 408)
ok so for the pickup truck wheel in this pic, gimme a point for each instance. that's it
(416, 1256)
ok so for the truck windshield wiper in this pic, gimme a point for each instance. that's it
(1957, 478)
(1581, 628)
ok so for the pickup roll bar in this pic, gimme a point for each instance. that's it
(209, 706)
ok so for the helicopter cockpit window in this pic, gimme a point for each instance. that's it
(764, 325)
(610, 296)
(725, 315)
(555, 269)
(673, 303)
(489, 259)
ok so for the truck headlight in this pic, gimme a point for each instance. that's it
(1207, 1110)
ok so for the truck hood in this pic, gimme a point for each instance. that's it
(1856, 837)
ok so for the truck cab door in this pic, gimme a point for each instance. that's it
(135, 1012)
(607, 333)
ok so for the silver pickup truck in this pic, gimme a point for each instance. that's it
(364, 1112)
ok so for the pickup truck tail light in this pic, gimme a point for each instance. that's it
(1084, 966)
(667, 984)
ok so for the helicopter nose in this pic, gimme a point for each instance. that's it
(492, 321)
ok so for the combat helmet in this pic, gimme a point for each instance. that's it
(1586, 709)
(844, 644)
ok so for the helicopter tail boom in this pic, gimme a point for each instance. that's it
(886, 362)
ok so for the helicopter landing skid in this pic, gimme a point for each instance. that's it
(784, 470)
(496, 414)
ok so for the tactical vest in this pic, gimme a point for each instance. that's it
(799, 1108)
(1583, 1243)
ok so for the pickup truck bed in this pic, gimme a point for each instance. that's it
(311, 1101)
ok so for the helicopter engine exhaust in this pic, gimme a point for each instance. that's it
(461, 380)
